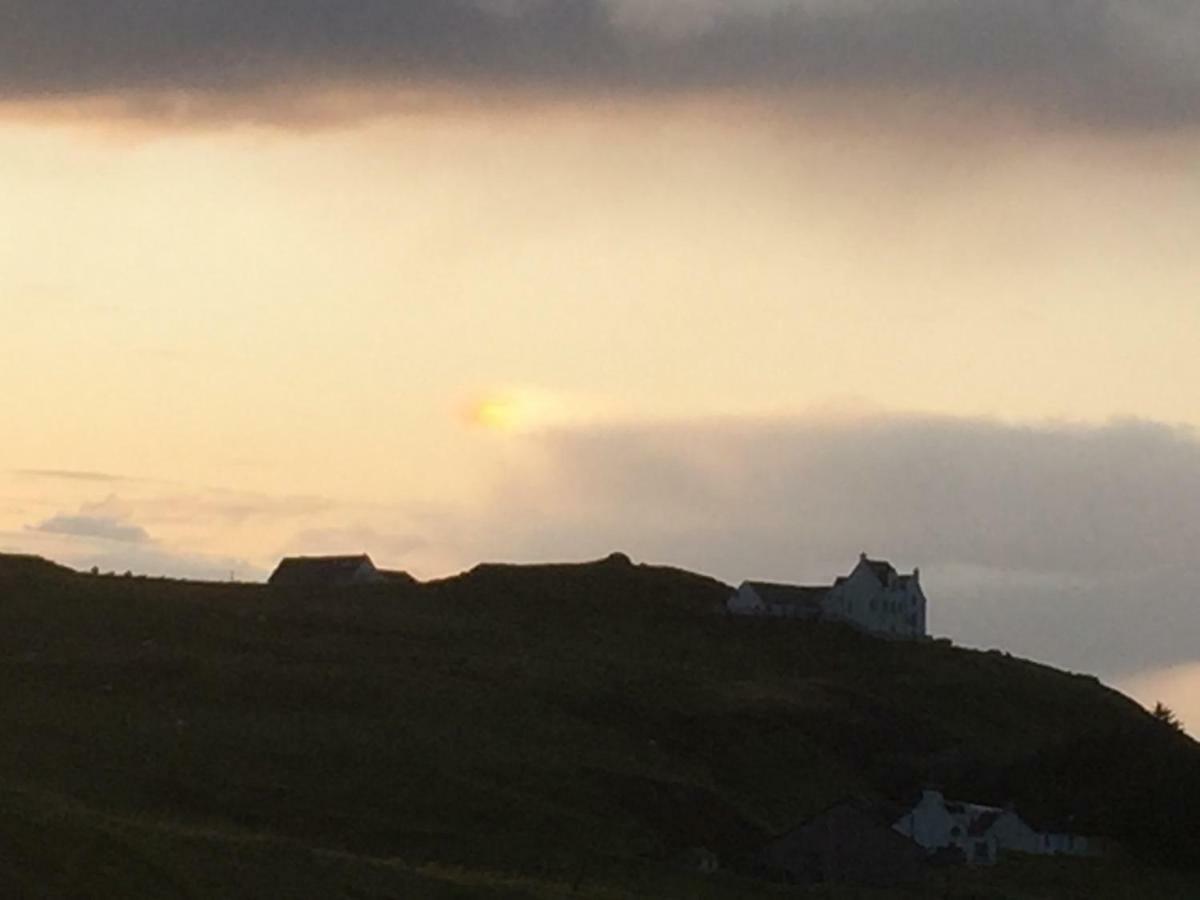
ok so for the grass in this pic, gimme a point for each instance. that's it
(514, 732)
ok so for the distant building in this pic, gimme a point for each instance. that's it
(874, 597)
(1063, 843)
(781, 601)
(326, 572)
(848, 843)
(981, 833)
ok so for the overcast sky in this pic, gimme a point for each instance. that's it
(743, 286)
(1104, 63)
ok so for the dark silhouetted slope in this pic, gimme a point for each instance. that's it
(556, 722)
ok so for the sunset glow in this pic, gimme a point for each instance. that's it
(257, 314)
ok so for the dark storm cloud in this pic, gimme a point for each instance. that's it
(1069, 544)
(1114, 63)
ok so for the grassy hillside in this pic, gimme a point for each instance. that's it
(513, 732)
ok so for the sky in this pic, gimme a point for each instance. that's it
(747, 287)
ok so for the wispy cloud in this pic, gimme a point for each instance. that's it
(70, 475)
(1102, 63)
(228, 506)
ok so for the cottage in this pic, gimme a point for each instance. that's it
(874, 598)
(981, 833)
(318, 572)
(847, 843)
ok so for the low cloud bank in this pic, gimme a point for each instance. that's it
(108, 535)
(108, 520)
(1068, 543)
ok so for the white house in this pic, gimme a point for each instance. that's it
(982, 833)
(874, 597)
(878, 599)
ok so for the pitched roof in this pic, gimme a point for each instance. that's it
(981, 823)
(318, 569)
(788, 594)
(881, 569)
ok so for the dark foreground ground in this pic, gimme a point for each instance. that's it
(556, 731)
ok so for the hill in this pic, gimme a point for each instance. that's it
(518, 731)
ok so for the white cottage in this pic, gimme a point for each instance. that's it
(982, 833)
(874, 597)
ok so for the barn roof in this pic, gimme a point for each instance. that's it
(318, 569)
(788, 594)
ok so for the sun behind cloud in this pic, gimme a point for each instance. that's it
(496, 414)
(513, 410)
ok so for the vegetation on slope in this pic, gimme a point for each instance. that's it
(568, 725)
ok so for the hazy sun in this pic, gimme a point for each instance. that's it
(496, 413)
(511, 410)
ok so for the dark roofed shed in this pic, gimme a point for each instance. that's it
(325, 571)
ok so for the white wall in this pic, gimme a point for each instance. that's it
(1013, 834)
(928, 823)
(861, 600)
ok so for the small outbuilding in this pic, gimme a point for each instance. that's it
(781, 601)
(318, 572)
(848, 843)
